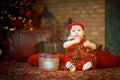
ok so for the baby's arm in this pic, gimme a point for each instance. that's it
(71, 42)
(89, 45)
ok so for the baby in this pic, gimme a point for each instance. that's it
(79, 56)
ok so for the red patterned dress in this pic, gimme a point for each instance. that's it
(78, 55)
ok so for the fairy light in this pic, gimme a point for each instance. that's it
(12, 29)
(5, 12)
(25, 25)
(11, 18)
(30, 20)
(1, 17)
(9, 15)
(31, 29)
(2, 12)
(20, 17)
(0, 52)
(21, 4)
(6, 27)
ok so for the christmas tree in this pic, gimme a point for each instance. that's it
(14, 14)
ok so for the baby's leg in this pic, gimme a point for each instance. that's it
(87, 66)
(70, 66)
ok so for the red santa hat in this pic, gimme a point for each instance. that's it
(73, 24)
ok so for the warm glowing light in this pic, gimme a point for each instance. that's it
(5, 12)
(12, 29)
(23, 21)
(2, 12)
(30, 20)
(1, 17)
(25, 25)
(9, 15)
(16, 1)
(21, 3)
(12, 14)
(12, 17)
(14, 4)
(10, 5)
(19, 17)
(0, 51)
(31, 29)
(6, 27)
(15, 18)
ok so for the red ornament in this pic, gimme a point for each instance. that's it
(17, 23)
(20, 25)
(6, 63)
(14, 61)
(29, 13)
(30, 24)
(22, 11)
(24, 1)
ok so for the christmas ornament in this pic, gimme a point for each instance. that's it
(22, 11)
(29, 13)
(14, 61)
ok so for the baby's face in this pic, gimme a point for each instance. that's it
(76, 31)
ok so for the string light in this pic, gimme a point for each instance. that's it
(1, 17)
(31, 29)
(14, 15)
(6, 27)
(30, 20)
(0, 52)
(12, 29)
(12, 19)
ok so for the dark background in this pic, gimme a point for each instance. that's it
(113, 26)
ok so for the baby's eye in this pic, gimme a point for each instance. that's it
(79, 30)
(73, 31)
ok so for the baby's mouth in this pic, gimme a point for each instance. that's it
(76, 35)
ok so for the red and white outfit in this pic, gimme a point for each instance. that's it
(78, 55)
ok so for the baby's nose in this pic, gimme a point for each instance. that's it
(76, 32)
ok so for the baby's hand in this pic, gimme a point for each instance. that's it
(77, 40)
(86, 44)
(70, 38)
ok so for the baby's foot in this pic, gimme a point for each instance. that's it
(70, 66)
(87, 66)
